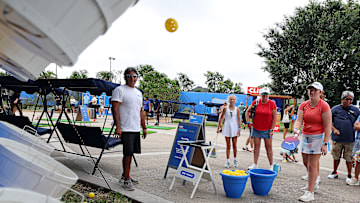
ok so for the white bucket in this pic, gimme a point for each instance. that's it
(24, 167)
(19, 61)
(12, 132)
(59, 30)
(17, 195)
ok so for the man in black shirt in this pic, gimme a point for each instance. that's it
(157, 109)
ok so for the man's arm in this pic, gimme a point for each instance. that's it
(142, 119)
(357, 125)
(336, 131)
(116, 117)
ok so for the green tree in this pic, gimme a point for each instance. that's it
(237, 88)
(81, 74)
(153, 83)
(320, 42)
(216, 83)
(47, 75)
(118, 75)
(213, 81)
(185, 83)
(105, 75)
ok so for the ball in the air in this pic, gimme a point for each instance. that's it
(171, 25)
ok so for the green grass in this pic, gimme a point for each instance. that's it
(160, 127)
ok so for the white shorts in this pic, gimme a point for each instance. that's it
(311, 144)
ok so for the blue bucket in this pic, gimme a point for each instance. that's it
(262, 180)
(234, 186)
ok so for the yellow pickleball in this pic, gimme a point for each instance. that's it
(171, 25)
(91, 195)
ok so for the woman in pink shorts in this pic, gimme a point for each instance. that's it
(314, 116)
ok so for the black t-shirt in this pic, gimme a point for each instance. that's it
(58, 100)
(156, 104)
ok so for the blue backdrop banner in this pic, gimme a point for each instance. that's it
(200, 97)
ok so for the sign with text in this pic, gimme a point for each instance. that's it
(82, 115)
(253, 90)
(185, 132)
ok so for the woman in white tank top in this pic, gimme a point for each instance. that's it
(231, 128)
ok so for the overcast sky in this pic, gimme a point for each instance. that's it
(213, 35)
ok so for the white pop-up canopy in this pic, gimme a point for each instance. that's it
(57, 31)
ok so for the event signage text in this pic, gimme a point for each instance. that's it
(253, 90)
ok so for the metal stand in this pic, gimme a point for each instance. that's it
(193, 173)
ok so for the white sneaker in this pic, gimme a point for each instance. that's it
(227, 165)
(316, 188)
(305, 177)
(307, 197)
(271, 167)
(235, 163)
(252, 166)
(333, 176)
(347, 179)
(353, 181)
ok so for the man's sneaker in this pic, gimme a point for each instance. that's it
(333, 175)
(271, 167)
(135, 182)
(227, 165)
(284, 161)
(244, 148)
(235, 163)
(249, 149)
(252, 166)
(128, 185)
(307, 197)
(316, 188)
(353, 181)
(305, 177)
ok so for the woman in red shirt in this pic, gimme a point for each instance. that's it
(263, 125)
(314, 116)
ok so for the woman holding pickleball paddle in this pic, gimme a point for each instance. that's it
(314, 116)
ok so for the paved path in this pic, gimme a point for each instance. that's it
(155, 154)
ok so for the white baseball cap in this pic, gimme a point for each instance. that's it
(265, 90)
(316, 85)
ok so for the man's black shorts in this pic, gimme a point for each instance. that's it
(286, 125)
(131, 143)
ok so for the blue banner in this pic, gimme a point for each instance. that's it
(196, 119)
(200, 97)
